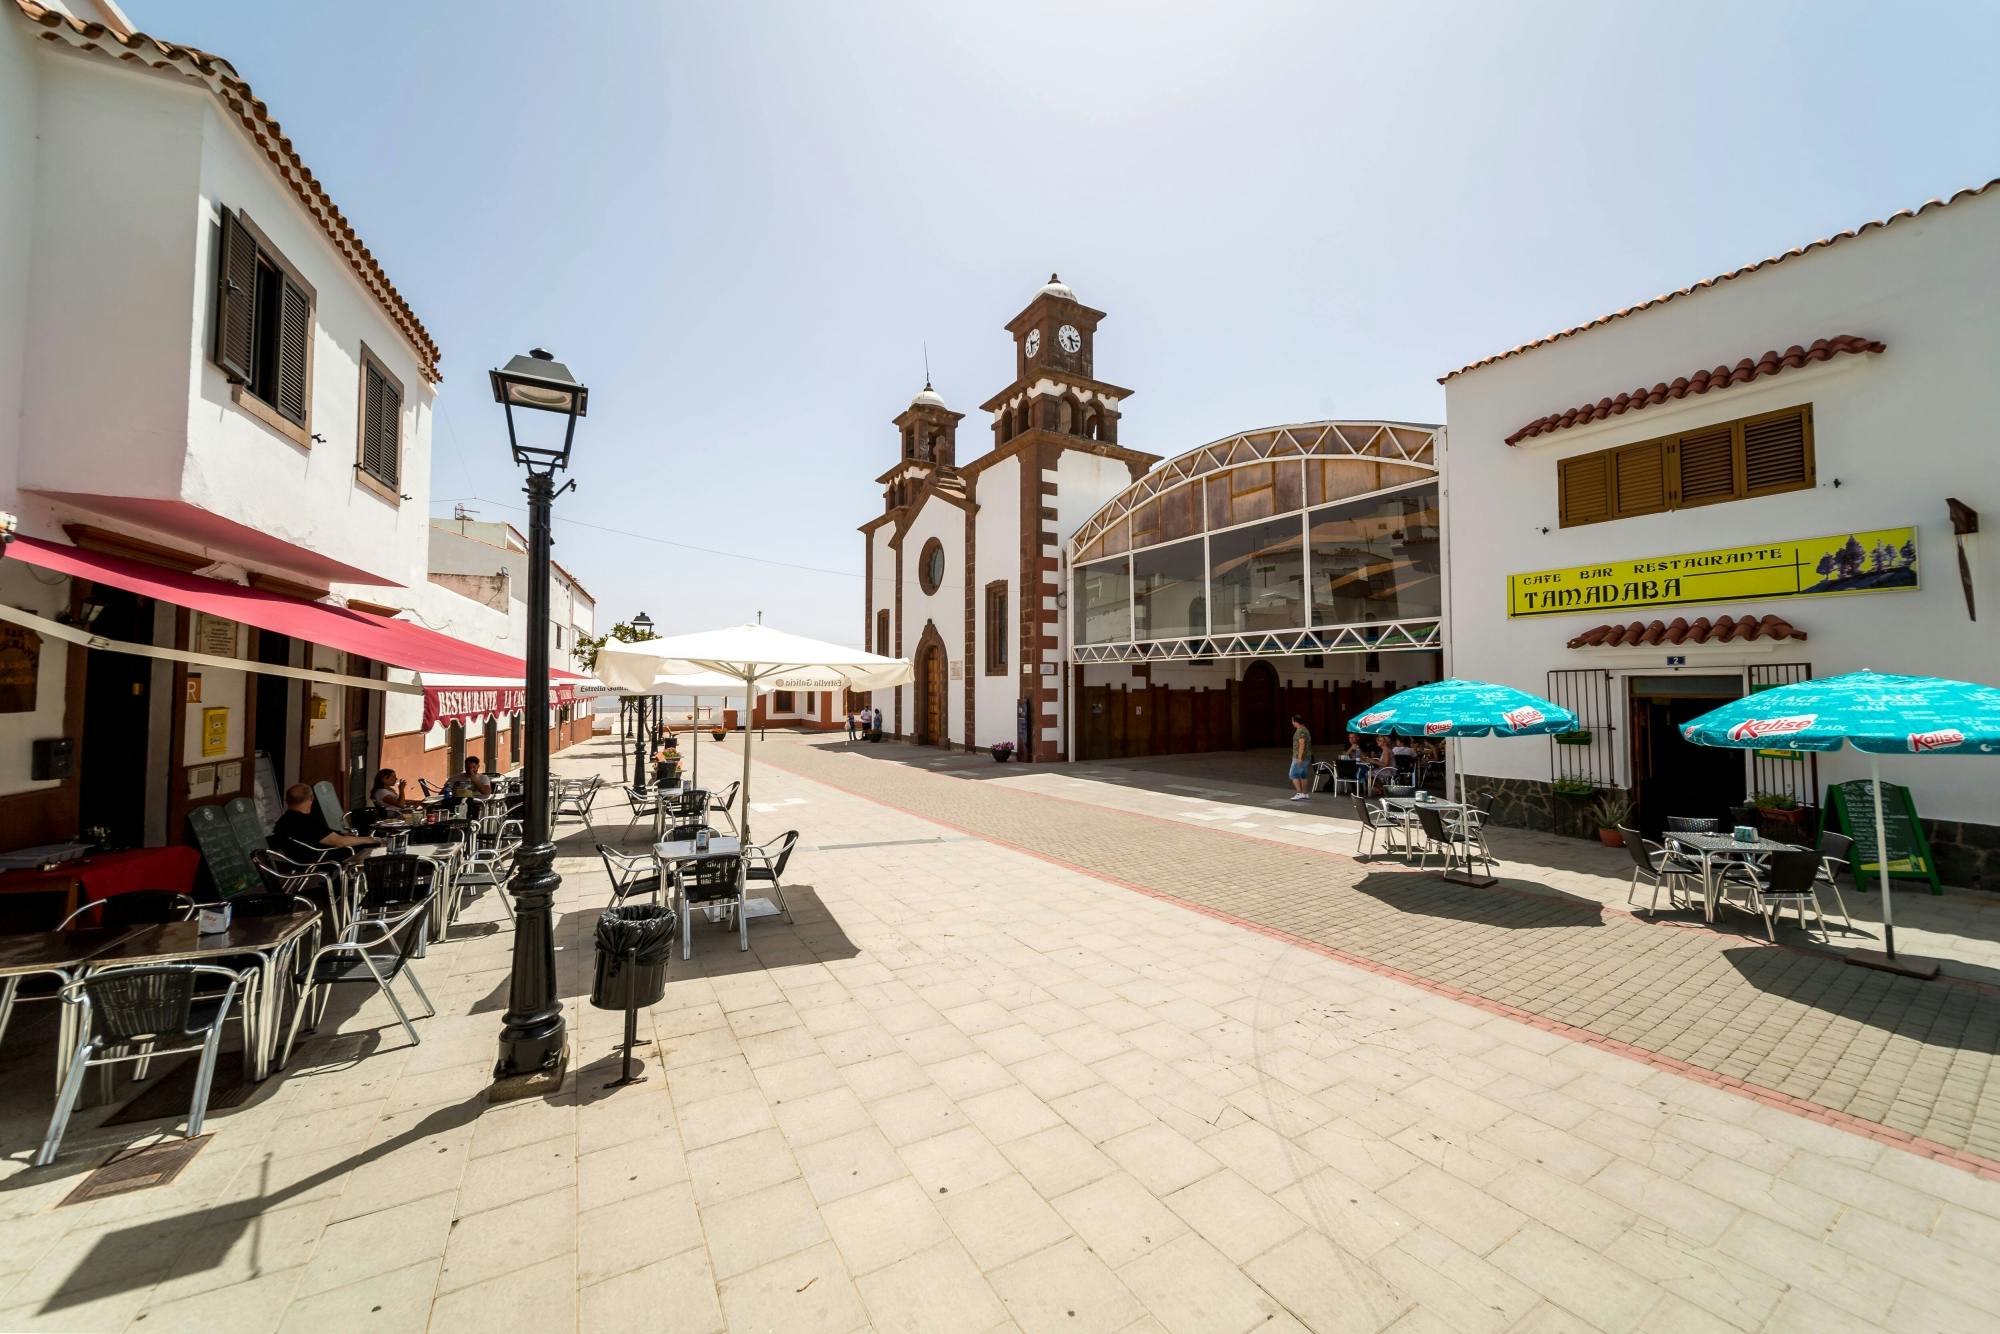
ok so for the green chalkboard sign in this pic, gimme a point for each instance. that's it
(242, 816)
(222, 852)
(1850, 807)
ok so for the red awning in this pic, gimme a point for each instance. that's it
(381, 638)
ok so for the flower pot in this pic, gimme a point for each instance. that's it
(1611, 838)
(717, 733)
(1580, 737)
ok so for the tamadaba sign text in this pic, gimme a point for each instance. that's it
(1872, 561)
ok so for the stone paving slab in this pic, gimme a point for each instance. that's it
(971, 1089)
(1917, 1058)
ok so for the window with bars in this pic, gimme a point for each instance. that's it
(379, 452)
(1752, 456)
(264, 326)
(997, 629)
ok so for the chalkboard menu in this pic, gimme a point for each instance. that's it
(222, 852)
(1850, 807)
(242, 816)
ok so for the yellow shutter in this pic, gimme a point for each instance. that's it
(1708, 469)
(1777, 452)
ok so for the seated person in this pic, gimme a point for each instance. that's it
(302, 833)
(472, 782)
(387, 791)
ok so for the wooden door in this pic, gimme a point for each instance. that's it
(934, 697)
(1260, 706)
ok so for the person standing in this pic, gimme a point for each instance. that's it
(875, 723)
(1301, 771)
(853, 723)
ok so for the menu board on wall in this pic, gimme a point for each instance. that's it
(214, 635)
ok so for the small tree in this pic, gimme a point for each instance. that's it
(1910, 551)
(1849, 558)
(1825, 566)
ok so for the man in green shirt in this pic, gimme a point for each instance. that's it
(1301, 773)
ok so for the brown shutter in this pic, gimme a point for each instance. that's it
(1639, 477)
(1708, 471)
(1584, 483)
(381, 428)
(294, 340)
(236, 300)
(1777, 453)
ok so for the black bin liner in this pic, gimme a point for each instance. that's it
(634, 942)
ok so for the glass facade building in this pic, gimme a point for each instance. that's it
(1322, 551)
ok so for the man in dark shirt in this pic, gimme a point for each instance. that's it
(303, 827)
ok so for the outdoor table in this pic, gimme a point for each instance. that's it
(1716, 848)
(271, 939)
(99, 875)
(60, 953)
(1453, 810)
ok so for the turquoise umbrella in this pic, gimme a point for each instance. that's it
(1455, 708)
(1463, 708)
(1871, 711)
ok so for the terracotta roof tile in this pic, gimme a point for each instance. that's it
(1810, 246)
(1680, 630)
(1722, 377)
(228, 87)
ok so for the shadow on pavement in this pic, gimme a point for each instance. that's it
(1515, 905)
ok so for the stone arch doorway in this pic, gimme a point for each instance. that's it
(1260, 705)
(932, 723)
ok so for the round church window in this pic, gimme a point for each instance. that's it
(930, 566)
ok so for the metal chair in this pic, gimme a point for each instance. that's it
(1378, 822)
(328, 884)
(1785, 878)
(1346, 776)
(1660, 864)
(630, 873)
(574, 798)
(140, 907)
(1449, 838)
(765, 865)
(388, 932)
(716, 884)
(644, 804)
(723, 801)
(125, 1013)
(1834, 849)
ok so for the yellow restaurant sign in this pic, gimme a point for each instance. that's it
(1881, 560)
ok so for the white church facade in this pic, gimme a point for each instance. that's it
(964, 572)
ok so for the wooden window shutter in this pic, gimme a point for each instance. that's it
(1639, 479)
(294, 344)
(1777, 452)
(1584, 483)
(1708, 469)
(381, 419)
(391, 439)
(236, 300)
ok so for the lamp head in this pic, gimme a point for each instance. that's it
(537, 382)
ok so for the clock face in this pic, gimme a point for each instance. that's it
(1034, 344)
(1069, 338)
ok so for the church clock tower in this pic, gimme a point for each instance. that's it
(928, 433)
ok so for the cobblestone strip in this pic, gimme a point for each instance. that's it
(1903, 1062)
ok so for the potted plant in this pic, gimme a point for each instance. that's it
(1610, 811)
(1580, 737)
(1002, 751)
(1777, 813)
(718, 732)
(1574, 789)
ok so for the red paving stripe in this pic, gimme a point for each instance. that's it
(1963, 1159)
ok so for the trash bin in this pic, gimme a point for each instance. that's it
(634, 942)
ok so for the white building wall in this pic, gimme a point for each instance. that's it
(20, 145)
(240, 468)
(113, 196)
(997, 542)
(1898, 431)
(946, 609)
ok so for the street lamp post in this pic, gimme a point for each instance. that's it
(534, 1045)
(642, 625)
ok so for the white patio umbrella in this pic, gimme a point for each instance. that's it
(754, 658)
(692, 688)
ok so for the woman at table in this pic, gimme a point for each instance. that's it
(387, 791)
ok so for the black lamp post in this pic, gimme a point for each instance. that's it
(642, 625)
(534, 1045)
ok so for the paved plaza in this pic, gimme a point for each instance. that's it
(1042, 1050)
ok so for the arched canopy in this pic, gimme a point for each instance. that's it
(1320, 537)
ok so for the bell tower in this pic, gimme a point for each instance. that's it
(927, 434)
(1055, 386)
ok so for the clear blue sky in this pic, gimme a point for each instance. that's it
(740, 223)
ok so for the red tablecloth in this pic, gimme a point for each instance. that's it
(106, 874)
